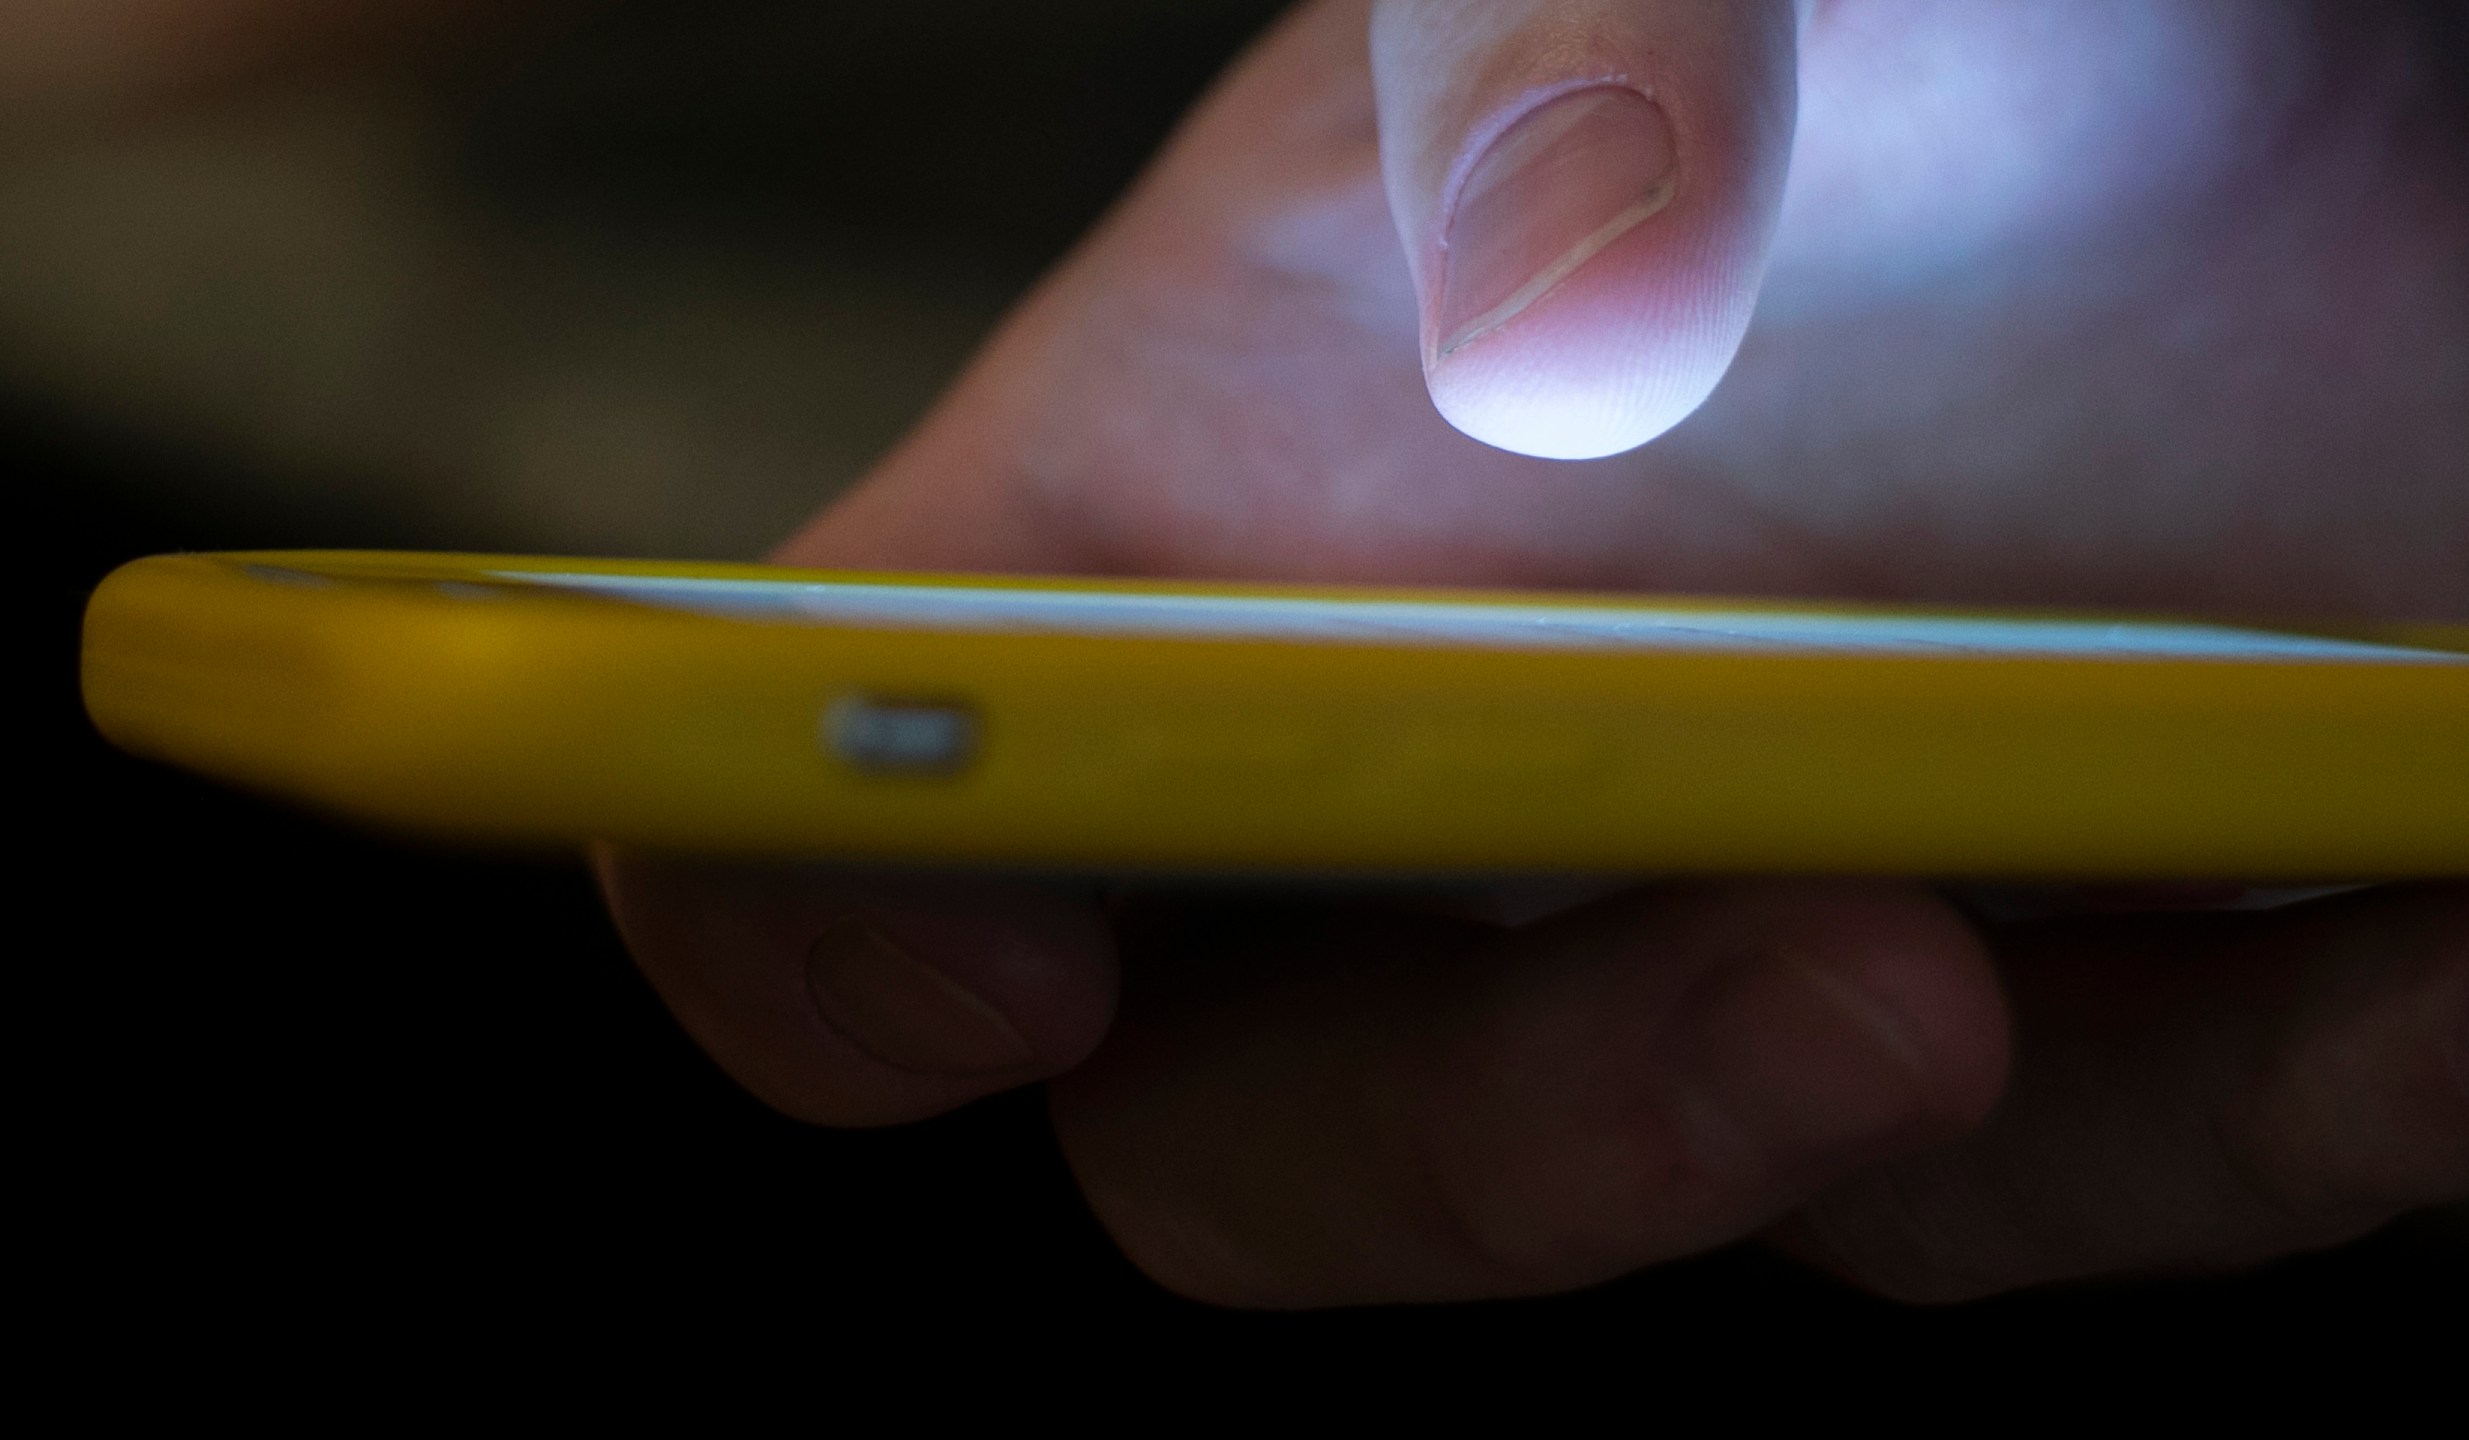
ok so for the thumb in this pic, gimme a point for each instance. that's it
(1585, 189)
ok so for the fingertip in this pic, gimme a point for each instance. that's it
(1925, 976)
(1586, 190)
(1585, 304)
(1842, 1025)
(1612, 359)
(849, 999)
(1593, 300)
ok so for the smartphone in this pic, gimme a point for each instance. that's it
(1125, 726)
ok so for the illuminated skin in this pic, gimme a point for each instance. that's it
(2109, 303)
(2183, 322)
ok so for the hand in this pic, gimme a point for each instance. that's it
(2182, 321)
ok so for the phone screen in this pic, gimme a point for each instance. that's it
(1479, 623)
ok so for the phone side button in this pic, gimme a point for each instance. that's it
(881, 735)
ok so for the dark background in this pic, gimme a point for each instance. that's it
(274, 1065)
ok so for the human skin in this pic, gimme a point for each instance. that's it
(2189, 329)
(2180, 322)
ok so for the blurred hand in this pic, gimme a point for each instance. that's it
(2103, 303)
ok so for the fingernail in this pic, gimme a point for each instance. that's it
(1800, 1062)
(1554, 190)
(903, 1011)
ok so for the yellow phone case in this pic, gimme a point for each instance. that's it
(469, 696)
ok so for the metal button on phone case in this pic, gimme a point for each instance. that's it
(900, 737)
